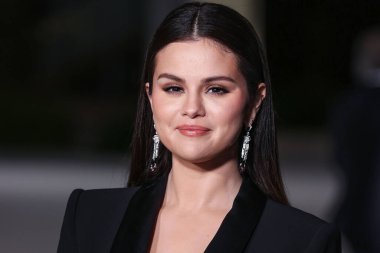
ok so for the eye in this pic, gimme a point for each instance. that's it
(173, 89)
(217, 90)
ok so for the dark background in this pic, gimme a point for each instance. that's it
(309, 47)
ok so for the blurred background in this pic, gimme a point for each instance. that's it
(69, 75)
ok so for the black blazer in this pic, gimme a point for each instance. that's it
(123, 220)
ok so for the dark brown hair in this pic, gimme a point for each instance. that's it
(192, 21)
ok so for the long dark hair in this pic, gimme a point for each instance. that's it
(192, 21)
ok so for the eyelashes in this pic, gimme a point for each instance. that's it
(214, 90)
(217, 90)
(173, 89)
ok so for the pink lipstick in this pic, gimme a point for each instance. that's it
(193, 130)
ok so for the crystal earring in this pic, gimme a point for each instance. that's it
(156, 143)
(244, 151)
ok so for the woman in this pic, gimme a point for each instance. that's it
(204, 172)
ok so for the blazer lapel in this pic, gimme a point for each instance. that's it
(240, 222)
(136, 230)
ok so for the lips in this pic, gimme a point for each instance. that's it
(193, 130)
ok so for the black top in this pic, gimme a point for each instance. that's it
(123, 220)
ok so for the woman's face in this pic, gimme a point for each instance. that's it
(199, 100)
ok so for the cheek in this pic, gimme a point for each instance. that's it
(157, 104)
(231, 111)
(163, 109)
(228, 117)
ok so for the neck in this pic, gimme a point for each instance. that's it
(192, 187)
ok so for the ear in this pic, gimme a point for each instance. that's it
(255, 107)
(147, 85)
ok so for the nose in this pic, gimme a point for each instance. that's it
(193, 106)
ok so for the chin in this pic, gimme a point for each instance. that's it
(192, 157)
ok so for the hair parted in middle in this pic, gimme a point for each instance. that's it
(193, 21)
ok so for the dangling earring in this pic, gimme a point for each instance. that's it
(244, 151)
(156, 143)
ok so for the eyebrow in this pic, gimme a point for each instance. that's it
(170, 76)
(205, 80)
(219, 78)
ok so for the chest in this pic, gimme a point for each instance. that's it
(185, 231)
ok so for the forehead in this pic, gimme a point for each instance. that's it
(203, 55)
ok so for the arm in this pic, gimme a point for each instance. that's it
(67, 241)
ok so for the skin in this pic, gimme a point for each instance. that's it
(200, 104)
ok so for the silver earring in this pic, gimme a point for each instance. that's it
(156, 143)
(244, 151)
